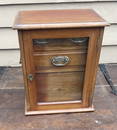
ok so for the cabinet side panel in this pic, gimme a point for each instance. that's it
(22, 61)
(30, 69)
(98, 50)
(92, 65)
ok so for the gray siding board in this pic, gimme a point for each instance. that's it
(9, 46)
(8, 13)
(11, 2)
(9, 37)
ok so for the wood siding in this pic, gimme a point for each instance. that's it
(105, 9)
(7, 2)
(9, 40)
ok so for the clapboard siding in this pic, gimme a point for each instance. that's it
(9, 57)
(5, 2)
(108, 54)
(9, 52)
(11, 42)
(7, 13)
(8, 38)
(110, 35)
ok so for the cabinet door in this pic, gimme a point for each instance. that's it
(60, 66)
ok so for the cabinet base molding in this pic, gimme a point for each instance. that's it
(88, 109)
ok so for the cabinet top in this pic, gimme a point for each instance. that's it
(42, 19)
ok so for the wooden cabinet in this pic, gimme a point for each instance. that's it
(60, 51)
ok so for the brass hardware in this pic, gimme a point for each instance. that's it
(79, 40)
(30, 77)
(60, 60)
(40, 41)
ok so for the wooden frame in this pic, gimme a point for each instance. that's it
(66, 24)
(95, 36)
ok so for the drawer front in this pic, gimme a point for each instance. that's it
(78, 43)
(53, 87)
(60, 61)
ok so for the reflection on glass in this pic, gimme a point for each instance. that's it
(60, 76)
(60, 44)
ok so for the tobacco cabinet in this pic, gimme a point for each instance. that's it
(60, 51)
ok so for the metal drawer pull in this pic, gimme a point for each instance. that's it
(79, 40)
(60, 60)
(40, 41)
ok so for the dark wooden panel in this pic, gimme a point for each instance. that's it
(59, 86)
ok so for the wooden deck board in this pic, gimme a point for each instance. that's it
(12, 108)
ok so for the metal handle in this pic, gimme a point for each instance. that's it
(60, 60)
(79, 40)
(40, 41)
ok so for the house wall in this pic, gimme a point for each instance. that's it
(9, 48)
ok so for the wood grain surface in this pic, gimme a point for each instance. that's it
(66, 86)
(70, 86)
(45, 60)
(58, 19)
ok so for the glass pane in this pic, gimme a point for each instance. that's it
(59, 44)
(54, 87)
(60, 68)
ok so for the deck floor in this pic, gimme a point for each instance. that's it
(12, 106)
